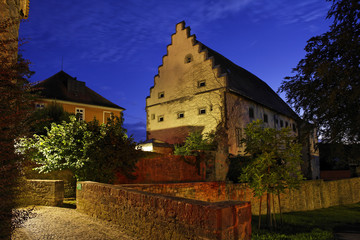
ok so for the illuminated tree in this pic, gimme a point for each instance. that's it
(91, 151)
(274, 162)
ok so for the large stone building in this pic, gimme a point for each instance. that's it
(75, 97)
(11, 12)
(198, 89)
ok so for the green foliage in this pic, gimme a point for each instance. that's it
(195, 142)
(325, 87)
(42, 118)
(275, 158)
(91, 151)
(14, 107)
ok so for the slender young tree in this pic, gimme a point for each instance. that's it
(274, 165)
(326, 84)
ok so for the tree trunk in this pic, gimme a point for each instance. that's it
(281, 219)
(274, 216)
(260, 212)
(268, 210)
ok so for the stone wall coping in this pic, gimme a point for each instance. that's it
(219, 204)
(44, 180)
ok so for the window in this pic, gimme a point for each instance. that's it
(188, 58)
(152, 116)
(286, 124)
(294, 127)
(39, 105)
(107, 116)
(180, 115)
(202, 111)
(238, 134)
(161, 118)
(281, 123)
(161, 94)
(201, 83)
(265, 118)
(80, 113)
(251, 113)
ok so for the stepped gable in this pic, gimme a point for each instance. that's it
(62, 86)
(248, 85)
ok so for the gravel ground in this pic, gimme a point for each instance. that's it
(64, 223)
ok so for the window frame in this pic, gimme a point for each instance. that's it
(161, 94)
(201, 83)
(161, 118)
(82, 118)
(181, 115)
(202, 111)
(251, 112)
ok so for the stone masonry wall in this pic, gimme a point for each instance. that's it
(312, 194)
(161, 169)
(153, 216)
(42, 192)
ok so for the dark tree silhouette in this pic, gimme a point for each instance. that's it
(326, 84)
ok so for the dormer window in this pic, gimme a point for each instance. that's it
(161, 95)
(188, 58)
(201, 83)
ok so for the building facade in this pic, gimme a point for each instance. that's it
(75, 97)
(198, 89)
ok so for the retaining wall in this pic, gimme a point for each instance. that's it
(312, 194)
(153, 216)
(42, 192)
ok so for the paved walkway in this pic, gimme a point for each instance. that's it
(349, 232)
(64, 223)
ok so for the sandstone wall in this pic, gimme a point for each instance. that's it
(154, 216)
(42, 192)
(312, 194)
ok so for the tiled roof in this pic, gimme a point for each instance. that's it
(62, 86)
(246, 84)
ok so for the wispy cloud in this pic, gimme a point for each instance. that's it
(118, 30)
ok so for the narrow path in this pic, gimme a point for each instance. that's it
(64, 223)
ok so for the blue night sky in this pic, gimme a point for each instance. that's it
(116, 46)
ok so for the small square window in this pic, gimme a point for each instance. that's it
(202, 83)
(161, 95)
(152, 116)
(265, 118)
(180, 115)
(161, 118)
(251, 113)
(39, 105)
(202, 111)
(188, 58)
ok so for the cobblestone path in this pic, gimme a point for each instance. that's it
(64, 223)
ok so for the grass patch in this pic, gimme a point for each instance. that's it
(315, 225)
